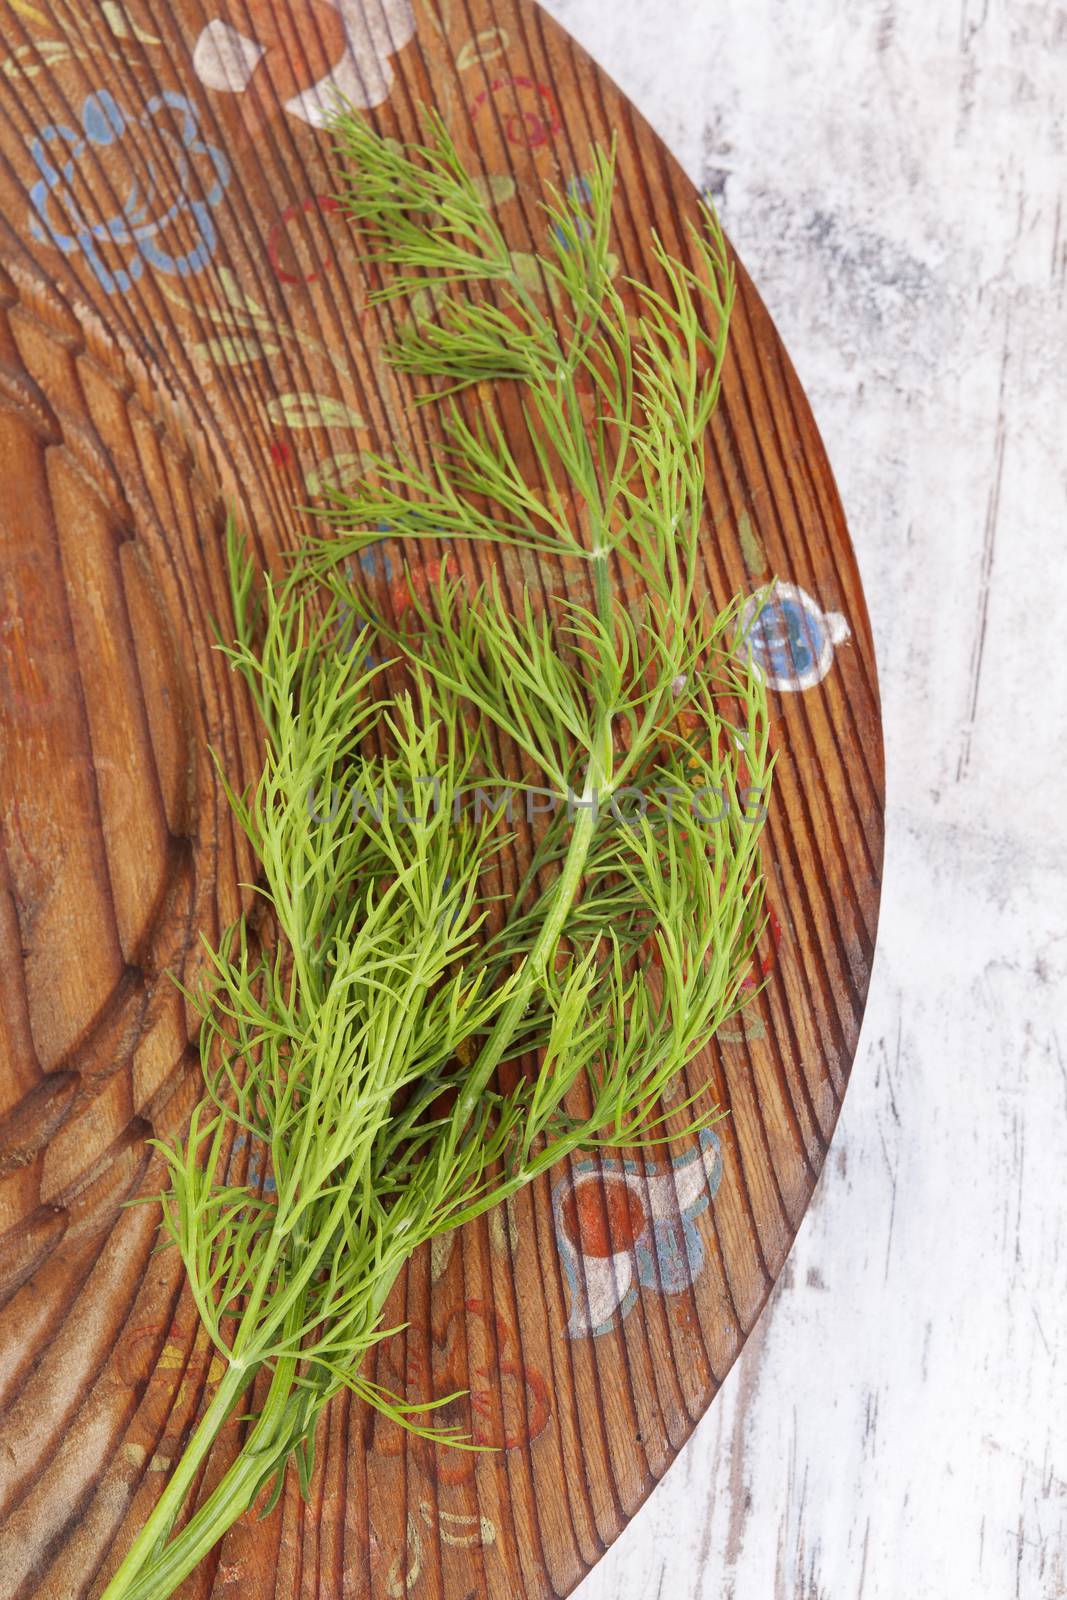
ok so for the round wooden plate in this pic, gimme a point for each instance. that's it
(183, 328)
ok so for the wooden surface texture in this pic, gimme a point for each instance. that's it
(183, 327)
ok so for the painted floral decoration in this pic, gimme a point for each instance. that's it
(792, 639)
(528, 109)
(304, 54)
(619, 1228)
(164, 202)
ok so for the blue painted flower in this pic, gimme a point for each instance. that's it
(579, 193)
(155, 169)
(791, 639)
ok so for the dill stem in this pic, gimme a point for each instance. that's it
(233, 1495)
(235, 1380)
(602, 586)
(495, 1048)
(597, 787)
(150, 1568)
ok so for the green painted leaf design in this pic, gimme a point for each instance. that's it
(43, 54)
(221, 316)
(237, 296)
(341, 471)
(530, 276)
(246, 319)
(425, 301)
(24, 9)
(30, 59)
(485, 46)
(236, 350)
(302, 409)
(496, 188)
(122, 24)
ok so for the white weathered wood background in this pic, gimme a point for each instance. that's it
(894, 174)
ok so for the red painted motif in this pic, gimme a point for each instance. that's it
(279, 238)
(533, 120)
(600, 1218)
(505, 1404)
(421, 581)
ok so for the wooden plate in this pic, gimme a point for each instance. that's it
(182, 328)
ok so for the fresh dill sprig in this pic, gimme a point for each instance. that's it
(411, 1043)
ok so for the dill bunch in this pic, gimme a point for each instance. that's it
(428, 1028)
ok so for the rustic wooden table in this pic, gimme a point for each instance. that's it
(894, 177)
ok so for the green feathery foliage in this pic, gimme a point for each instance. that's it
(421, 1036)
